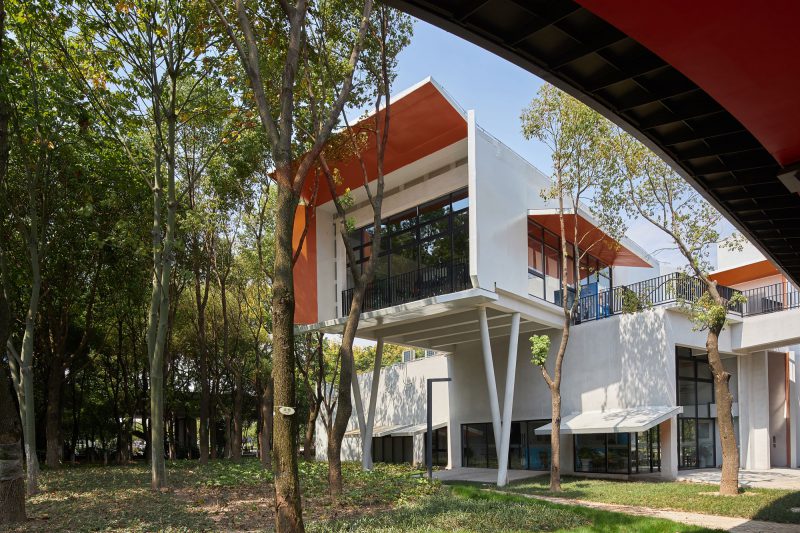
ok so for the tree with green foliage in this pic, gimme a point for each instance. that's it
(389, 34)
(656, 193)
(303, 40)
(579, 142)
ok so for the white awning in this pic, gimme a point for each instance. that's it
(410, 431)
(631, 420)
(405, 430)
(378, 431)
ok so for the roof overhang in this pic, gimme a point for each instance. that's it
(396, 430)
(744, 273)
(630, 420)
(424, 107)
(595, 241)
(709, 86)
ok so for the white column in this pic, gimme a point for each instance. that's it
(494, 405)
(668, 433)
(508, 402)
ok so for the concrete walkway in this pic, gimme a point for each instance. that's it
(775, 478)
(483, 475)
(726, 523)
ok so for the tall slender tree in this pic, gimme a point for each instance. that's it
(657, 194)
(579, 143)
(276, 90)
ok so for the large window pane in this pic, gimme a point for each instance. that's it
(515, 449)
(688, 443)
(552, 274)
(705, 441)
(618, 452)
(590, 453)
(474, 441)
(705, 397)
(435, 251)
(538, 447)
(686, 368)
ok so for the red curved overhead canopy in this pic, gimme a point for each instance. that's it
(744, 54)
(709, 85)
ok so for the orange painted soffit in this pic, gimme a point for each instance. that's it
(745, 273)
(421, 123)
(593, 239)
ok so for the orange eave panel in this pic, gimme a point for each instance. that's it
(745, 273)
(421, 123)
(593, 239)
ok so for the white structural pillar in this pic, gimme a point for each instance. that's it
(489, 364)
(508, 402)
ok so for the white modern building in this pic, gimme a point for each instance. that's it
(470, 266)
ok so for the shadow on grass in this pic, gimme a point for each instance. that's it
(780, 509)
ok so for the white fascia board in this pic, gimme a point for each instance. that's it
(631, 420)
(454, 300)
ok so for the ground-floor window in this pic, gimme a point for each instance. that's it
(527, 451)
(696, 426)
(696, 438)
(393, 450)
(618, 453)
(439, 446)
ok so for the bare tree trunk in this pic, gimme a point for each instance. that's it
(12, 477)
(26, 398)
(308, 441)
(729, 484)
(55, 382)
(236, 441)
(266, 405)
(555, 439)
(344, 405)
(288, 512)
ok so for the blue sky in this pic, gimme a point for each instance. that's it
(498, 91)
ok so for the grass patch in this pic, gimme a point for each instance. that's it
(227, 496)
(470, 509)
(759, 504)
(221, 495)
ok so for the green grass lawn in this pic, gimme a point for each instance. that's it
(760, 504)
(470, 509)
(224, 496)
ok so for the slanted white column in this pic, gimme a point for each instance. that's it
(366, 442)
(508, 402)
(489, 365)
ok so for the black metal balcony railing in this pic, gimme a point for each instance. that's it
(676, 287)
(411, 286)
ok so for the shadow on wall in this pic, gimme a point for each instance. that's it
(647, 359)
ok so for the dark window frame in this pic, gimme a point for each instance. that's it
(412, 226)
(685, 353)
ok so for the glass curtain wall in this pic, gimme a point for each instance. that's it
(431, 234)
(544, 268)
(696, 427)
(527, 451)
(618, 453)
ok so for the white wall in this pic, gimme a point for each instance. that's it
(401, 401)
(502, 188)
(754, 442)
(727, 258)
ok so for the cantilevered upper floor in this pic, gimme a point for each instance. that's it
(464, 222)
